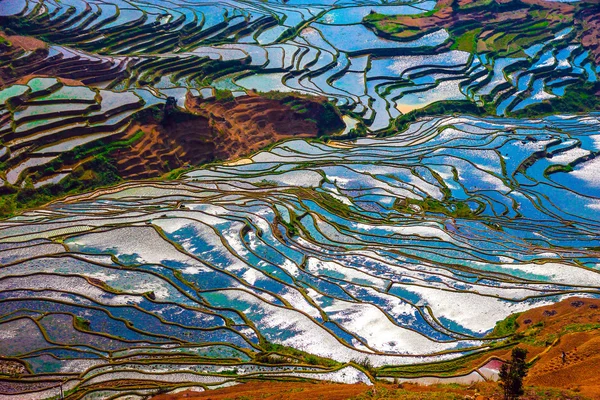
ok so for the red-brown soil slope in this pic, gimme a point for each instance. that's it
(589, 18)
(218, 130)
(563, 323)
(249, 123)
(25, 42)
(275, 391)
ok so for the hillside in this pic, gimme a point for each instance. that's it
(223, 130)
(59, 136)
(298, 198)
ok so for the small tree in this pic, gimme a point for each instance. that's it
(512, 374)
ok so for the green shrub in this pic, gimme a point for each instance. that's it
(223, 95)
(81, 324)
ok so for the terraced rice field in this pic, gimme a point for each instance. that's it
(310, 259)
(348, 253)
(316, 48)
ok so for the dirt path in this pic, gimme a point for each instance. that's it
(275, 391)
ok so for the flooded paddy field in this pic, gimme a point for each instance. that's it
(317, 257)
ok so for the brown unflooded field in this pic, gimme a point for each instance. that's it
(275, 390)
(26, 42)
(580, 370)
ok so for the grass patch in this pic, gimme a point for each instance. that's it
(273, 352)
(467, 41)
(506, 327)
(406, 394)
(451, 208)
(571, 328)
